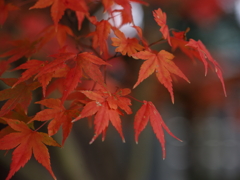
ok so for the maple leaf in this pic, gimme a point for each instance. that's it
(26, 142)
(149, 112)
(161, 19)
(20, 94)
(59, 6)
(49, 33)
(4, 11)
(161, 63)
(204, 56)
(178, 40)
(83, 62)
(58, 115)
(118, 100)
(102, 118)
(32, 68)
(21, 48)
(125, 45)
(17, 113)
(106, 107)
(100, 36)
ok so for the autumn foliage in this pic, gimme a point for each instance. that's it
(79, 71)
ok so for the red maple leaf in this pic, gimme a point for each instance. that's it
(80, 63)
(107, 107)
(20, 94)
(19, 113)
(32, 68)
(125, 45)
(100, 36)
(204, 55)
(161, 19)
(161, 63)
(21, 48)
(149, 112)
(27, 142)
(49, 33)
(4, 11)
(58, 115)
(179, 40)
(59, 6)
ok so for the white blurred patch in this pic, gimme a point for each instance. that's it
(237, 10)
(137, 13)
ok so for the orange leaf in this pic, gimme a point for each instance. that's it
(102, 118)
(59, 117)
(149, 112)
(161, 19)
(105, 106)
(26, 142)
(125, 45)
(161, 63)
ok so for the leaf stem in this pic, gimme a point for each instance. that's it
(134, 98)
(41, 126)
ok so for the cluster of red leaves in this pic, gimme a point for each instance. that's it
(68, 70)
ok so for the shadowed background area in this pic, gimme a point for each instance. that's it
(206, 120)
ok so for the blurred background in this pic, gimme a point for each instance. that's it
(206, 120)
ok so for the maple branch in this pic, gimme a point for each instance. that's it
(156, 42)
